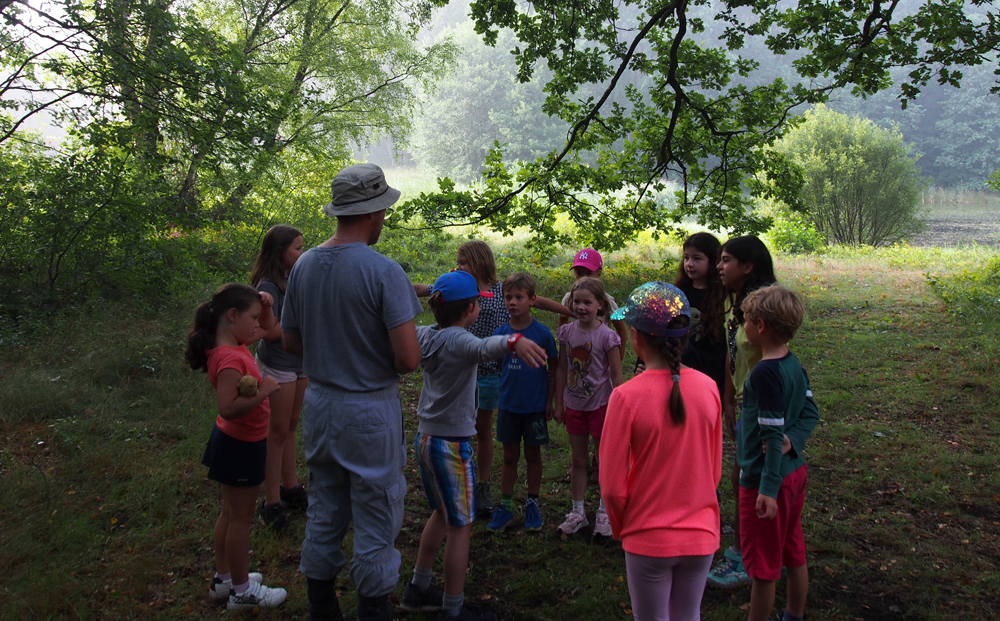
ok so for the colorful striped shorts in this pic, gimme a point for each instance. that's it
(449, 476)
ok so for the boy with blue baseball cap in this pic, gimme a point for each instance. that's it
(447, 411)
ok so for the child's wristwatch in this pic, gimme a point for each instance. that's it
(513, 339)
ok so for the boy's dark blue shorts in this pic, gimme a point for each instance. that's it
(512, 426)
(234, 462)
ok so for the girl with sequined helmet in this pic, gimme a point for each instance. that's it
(661, 458)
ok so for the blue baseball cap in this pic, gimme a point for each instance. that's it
(457, 285)
(650, 307)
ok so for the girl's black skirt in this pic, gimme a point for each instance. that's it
(234, 462)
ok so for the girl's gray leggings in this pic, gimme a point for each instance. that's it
(667, 589)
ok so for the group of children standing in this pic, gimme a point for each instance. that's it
(710, 346)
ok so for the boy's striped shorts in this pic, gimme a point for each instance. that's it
(449, 476)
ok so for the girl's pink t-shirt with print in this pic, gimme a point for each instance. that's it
(658, 479)
(588, 373)
(253, 426)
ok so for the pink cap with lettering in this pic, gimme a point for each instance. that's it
(588, 258)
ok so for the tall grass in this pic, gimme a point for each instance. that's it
(947, 200)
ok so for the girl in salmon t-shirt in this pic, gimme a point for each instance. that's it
(661, 461)
(237, 448)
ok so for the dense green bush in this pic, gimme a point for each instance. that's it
(87, 223)
(794, 233)
(973, 291)
(790, 231)
(74, 225)
(862, 185)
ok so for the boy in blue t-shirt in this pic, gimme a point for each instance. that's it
(525, 404)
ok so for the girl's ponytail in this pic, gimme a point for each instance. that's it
(201, 338)
(671, 350)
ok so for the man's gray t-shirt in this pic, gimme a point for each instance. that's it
(343, 300)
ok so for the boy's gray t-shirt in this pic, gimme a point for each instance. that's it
(343, 300)
(450, 358)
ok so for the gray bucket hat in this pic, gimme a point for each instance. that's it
(358, 190)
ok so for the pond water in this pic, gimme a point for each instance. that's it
(958, 223)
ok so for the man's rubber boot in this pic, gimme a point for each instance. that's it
(374, 608)
(323, 604)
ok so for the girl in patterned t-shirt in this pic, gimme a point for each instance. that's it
(590, 367)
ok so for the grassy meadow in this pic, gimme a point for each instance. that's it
(107, 513)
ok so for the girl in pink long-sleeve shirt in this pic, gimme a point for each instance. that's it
(661, 461)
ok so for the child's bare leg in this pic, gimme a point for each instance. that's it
(219, 540)
(289, 473)
(798, 587)
(289, 476)
(736, 514)
(761, 600)
(241, 501)
(579, 445)
(456, 558)
(484, 445)
(431, 539)
(281, 411)
(597, 451)
(533, 457)
(508, 473)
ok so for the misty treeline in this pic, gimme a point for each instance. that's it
(190, 127)
(953, 130)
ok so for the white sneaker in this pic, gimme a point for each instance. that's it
(574, 523)
(220, 588)
(602, 525)
(257, 595)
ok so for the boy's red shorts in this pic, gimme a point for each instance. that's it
(769, 544)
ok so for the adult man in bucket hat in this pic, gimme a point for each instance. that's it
(349, 311)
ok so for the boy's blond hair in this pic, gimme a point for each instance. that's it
(779, 307)
(520, 280)
(482, 265)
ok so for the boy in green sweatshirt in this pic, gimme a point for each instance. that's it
(778, 415)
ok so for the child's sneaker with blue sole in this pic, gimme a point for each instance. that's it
(502, 518)
(729, 573)
(532, 516)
